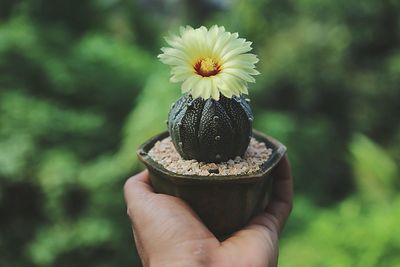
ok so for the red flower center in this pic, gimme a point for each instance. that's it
(207, 67)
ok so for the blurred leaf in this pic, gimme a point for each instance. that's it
(349, 235)
(375, 170)
(146, 119)
(277, 124)
(15, 152)
(149, 116)
(53, 241)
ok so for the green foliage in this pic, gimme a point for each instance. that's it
(81, 88)
(375, 171)
(361, 231)
(351, 234)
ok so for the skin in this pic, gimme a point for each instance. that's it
(168, 233)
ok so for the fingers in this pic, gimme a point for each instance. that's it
(138, 184)
(260, 237)
(147, 209)
(162, 218)
(281, 202)
(137, 191)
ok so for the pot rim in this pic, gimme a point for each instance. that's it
(278, 151)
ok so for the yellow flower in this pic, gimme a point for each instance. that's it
(210, 62)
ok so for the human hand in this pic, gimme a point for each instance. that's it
(167, 232)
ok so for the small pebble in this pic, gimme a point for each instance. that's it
(165, 153)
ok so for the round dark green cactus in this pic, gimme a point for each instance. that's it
(210, 130)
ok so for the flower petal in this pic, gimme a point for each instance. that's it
(189, 83)
(210, 62)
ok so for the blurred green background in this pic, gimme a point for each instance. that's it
(81, 88)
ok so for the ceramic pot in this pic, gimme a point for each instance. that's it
(224, 203)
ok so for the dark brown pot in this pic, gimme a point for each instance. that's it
(224, 203)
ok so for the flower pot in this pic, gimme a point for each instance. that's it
(224, 203)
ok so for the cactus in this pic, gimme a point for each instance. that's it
(212, 121)
(210, 130)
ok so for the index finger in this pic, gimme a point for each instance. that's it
(137, 188)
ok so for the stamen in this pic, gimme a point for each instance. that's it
(207, 67)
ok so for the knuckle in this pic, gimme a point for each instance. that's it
(129, 212)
